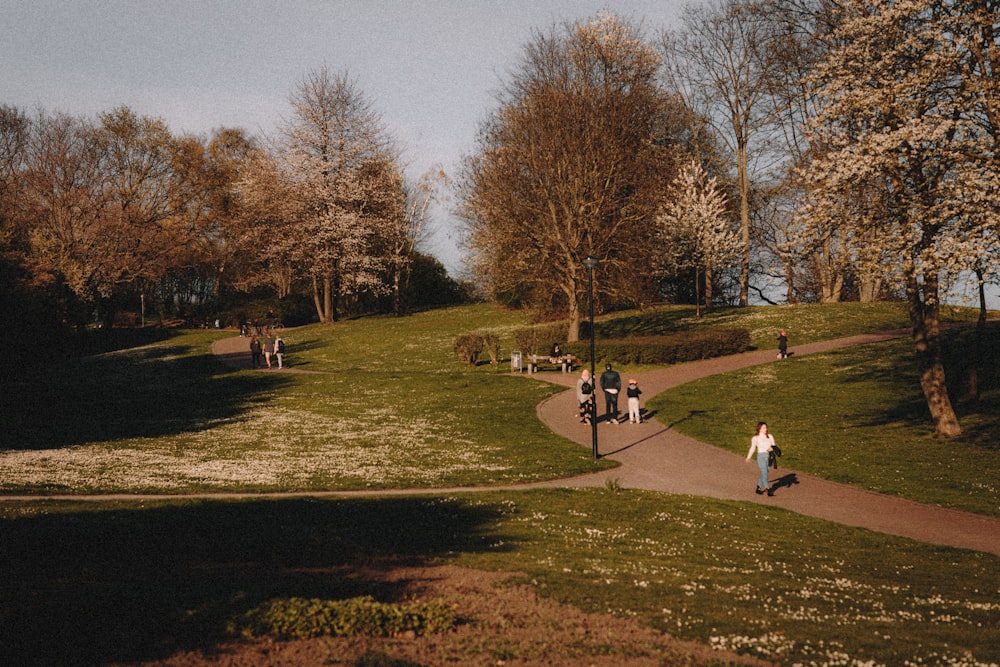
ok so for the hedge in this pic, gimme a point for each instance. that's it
(666, 349)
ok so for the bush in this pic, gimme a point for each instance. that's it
(301, 618)
(468, 347)
(491, 343)
(669, 349)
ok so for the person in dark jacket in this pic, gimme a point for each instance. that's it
(611, 383)
(254, 352)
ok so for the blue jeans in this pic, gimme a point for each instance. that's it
(763, 463)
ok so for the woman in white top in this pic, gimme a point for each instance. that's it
(762, 443)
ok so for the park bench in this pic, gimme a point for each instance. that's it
(537, 362)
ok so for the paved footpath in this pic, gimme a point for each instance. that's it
(657, 458)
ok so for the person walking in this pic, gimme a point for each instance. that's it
(762, 443)
(585, 396)
(254, 352)
(268, 348)
(279, 350)
(633, 391)
(611, 383)
(782, 345)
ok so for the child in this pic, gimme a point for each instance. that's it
(633, 391)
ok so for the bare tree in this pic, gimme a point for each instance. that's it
(572, 164)
(718, 63)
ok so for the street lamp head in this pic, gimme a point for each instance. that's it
(590, 262)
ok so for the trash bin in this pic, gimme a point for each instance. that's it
(515, 361)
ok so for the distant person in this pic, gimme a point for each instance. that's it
(279, 351)
(611, 383)
(782, 345)
(585, 396)
(268, 348)
(633, 391)
(555, 354)
(255, 351)
(761, 444)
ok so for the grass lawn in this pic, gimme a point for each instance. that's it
(86, 583)
(857, 415)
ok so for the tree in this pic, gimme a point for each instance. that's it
(693, 231)
(901, 107)
(719, 64)
(574, 163)
(340, 162)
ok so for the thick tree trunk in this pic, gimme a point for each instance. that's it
(574, 314)
(925, 319)
(316, 300)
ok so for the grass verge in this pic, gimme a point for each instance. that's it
(129, 582)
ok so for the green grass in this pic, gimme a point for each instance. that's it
(857, 415)
(82, 583)
(105, 583)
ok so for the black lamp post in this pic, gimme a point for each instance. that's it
(591, 262)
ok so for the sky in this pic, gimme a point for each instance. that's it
(429, 67)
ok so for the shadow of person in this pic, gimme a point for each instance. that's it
(789, 480)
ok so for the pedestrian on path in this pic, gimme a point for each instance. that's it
(611, 383)
(268, 348)
(782, 345)
(279, 350)
(762, 443)
(254, 352)
(633, 391)
(585, 396)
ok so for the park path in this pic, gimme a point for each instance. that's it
(654, 457)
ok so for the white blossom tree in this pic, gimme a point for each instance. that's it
(693, 231)
(340, 159)
(902, 109)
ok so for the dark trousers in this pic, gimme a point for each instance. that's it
(611, 405)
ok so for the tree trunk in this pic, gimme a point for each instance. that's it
(977, 340)
(574, 314)
(743, 178)
(316, 300)
(329, 316)
(925, 318)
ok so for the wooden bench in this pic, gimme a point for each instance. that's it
(537, 362)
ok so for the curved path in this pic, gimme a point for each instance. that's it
(655, 457)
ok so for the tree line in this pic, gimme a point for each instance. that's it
(792, 150)
(101, 218)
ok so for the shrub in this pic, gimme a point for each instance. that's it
(491, 343)
(468, 347)
(301, 618)
(669, 349)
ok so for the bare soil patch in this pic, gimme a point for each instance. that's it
(502, 623)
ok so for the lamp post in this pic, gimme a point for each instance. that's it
(591, 262)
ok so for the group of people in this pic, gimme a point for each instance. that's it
(611, 385)
(272, 348)
(762, 443)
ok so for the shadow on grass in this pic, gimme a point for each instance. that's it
(126, 395)
(133, 584)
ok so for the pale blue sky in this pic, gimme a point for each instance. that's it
(430, 67)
